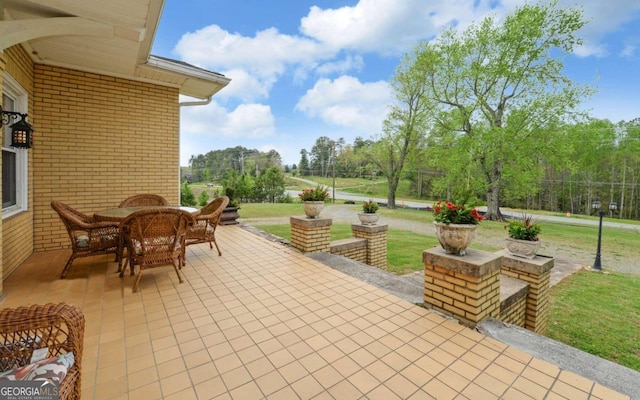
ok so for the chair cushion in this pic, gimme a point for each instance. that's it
(82, 239)
(52, 368)
(151, 247)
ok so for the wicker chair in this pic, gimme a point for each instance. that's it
(146, 199)
(204, 230)
(155, 237)
(88, 238)
(58, 327)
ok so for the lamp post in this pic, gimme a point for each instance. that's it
(613, 206)
(595, 205)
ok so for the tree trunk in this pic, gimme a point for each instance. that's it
(493, 194)
(391, 195)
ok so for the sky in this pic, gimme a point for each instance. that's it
(302, 69)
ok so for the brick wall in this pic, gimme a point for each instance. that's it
(99, 140)
(513, 300)
(17, 230)
(467, 288)
(537, 273)
(514, 313)
(311, 234)
(376, 236)
(352, 248)
(481, 285)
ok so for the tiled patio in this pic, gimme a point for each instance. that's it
(264, 321)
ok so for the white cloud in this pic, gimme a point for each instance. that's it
(246, 87)
(630, 47)
(387, 27)
(349, 103)
(349, 63)
(590, 49)
(245, 121)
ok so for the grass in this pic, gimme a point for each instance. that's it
(599, 314)
(364, 187)
(402, 246)
(618, 242)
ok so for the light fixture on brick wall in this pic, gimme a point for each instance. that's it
(21, 131)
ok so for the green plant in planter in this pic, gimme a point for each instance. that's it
(447, 212)
(524, 229)
(317, 194)
(370, 207)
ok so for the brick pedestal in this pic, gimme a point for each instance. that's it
(376, 236)
(467, 288)
(537, 272)
(311, 234)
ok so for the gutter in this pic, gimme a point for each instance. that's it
(195, 103)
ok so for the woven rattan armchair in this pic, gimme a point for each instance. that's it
(204, 230)
(146, 199)
(88, 237)
(155, 237)
(58, 327)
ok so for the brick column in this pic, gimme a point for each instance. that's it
(537, 272)
(376, 236)
(311, 234)
(466, 288)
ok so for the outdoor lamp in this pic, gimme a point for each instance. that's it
(21, 131)
(613, 206)
(595, 204)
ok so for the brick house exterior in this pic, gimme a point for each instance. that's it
(99, 138)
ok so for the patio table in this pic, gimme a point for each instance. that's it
(120, 213)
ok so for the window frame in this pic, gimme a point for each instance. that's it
(11, 88)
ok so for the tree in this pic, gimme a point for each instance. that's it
(405, 124)
(203, 198)
(187, 198)
(500, 96)
(272, 184)
(303, 167)
(320, 156)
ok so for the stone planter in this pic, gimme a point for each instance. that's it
(312, 209)
(368, 218)
(523, 248)
(455, 238)
(229, 216)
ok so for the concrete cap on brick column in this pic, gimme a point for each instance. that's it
(370, 228)
(476, 263)
(537, 265)
(310, 222)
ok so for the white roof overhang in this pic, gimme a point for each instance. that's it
(106, 37)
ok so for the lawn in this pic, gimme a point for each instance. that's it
(404, 248)
(598, 313)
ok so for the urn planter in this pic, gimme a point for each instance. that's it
(368, 218)
(229, 216)
(312, 209)
(523, 248)
(455, 238)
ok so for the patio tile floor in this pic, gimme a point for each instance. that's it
(264, 321)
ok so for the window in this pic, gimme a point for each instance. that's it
(14, 161)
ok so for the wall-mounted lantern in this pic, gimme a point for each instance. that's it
(21, 131)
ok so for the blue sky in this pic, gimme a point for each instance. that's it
(302, 69)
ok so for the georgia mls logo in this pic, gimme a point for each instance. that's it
(29, 390)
